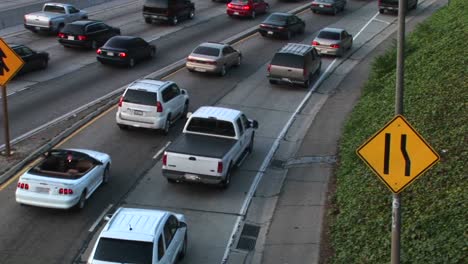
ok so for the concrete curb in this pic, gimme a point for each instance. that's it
(111, 99)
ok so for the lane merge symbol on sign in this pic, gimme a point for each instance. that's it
(3, 66)
(397, 154)
(10, 63)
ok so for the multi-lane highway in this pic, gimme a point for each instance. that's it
(74, 78)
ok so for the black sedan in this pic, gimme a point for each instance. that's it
(86, 33)
(328, 6)
(282, 25)
(125, 50)
(33, 60)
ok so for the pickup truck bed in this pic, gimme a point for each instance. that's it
(212, 147)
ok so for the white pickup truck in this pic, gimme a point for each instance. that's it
(53, 17)
(213, 142)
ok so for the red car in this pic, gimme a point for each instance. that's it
(249, 8)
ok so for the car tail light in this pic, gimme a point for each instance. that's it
(229, 5)
(81, 37)
(65, 191)
(211, 62)
(304, 72)
(246, 7)
(99, 51)
(269, 68)
(164, 160)
(220, 167)
(314, 4)
(281, 28)
(262, 25)
(22, 185)
(335, 46)
(315, 43)
(122, 54)
(190, 59)
(120, 101)
(61, 35)
(159, 107)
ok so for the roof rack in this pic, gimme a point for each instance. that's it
(296, 48)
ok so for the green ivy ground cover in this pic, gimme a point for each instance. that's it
(434, 207)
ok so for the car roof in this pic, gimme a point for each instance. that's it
(330, 29)
(213, 45)
(148, 84)
(134, 224)
(219, 113)
(281, 14)
(85, 22)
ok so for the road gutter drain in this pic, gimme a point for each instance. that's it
(248, 237)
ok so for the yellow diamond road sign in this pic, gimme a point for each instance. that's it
(10, 63)
(398, 154)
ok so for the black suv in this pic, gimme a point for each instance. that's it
(86, 34)
(168, 10)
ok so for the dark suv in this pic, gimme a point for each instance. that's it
(168, 10)
(392, 5)
(86, 33)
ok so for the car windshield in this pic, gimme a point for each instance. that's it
(54, 9)
(118, 43)
(156, 3)
(73, 29)
(208, 51)
(240, 2)
(276, 19)
(211, 126)
(325, 1)
(140, 97)
(123, 251)
(329, 35)
(288, 60)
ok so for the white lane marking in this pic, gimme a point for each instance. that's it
(161, 150)
(383, 21)
(273, 149)
(91, 229)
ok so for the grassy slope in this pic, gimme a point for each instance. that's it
(434, 207)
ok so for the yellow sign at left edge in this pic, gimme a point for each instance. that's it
(10, 63)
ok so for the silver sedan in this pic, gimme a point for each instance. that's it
(213, 57)
(333, 41)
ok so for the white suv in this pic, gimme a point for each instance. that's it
(152, 104)
(141, 236)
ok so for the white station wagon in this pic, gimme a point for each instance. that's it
(64, 178)
(136, 235)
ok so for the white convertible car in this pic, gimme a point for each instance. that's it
(63, 178)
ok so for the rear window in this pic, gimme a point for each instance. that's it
(288, 60)
(123, 251)
(329, 35)
(276, 19)
(208, 51)
(239, 1)
(157, 3)
(54, 9)
(73, 29)
(211, 126)
(118, 43)
(140, 97)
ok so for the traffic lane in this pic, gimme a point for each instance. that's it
(58, 96)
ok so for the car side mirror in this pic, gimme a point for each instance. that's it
(182, 91)
(189, 114)
(254, 124)
(182, 225)
(107, 217)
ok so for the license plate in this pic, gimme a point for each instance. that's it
(37, 28)
(192, 177)
(236, 13)
(321, 5)
(110, 53)
(138, 112)
(270, 32)
(42, 190)
(71, 38)
(200, 70)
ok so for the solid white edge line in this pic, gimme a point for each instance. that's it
(91, 229)
(161, 150)
(273, 149)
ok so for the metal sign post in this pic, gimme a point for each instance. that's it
(5, 121)
(396, 204)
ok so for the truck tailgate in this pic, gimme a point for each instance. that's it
(38, 19)
(192, 164)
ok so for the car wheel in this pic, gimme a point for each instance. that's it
(171, 181)
(191, 14)
(152, 53)
(227, 181)
(239, 60)
(94, 45)
(105, 175)
(186, 107)
(131, 63)
(167, 125)
(314, 11)
(223, 71)
(148, 20)
(251, 144)
(123, 127)
(307, 82)
(183, 251)
(381, 11)
(253, 15)
(82, 202)
(44, 64)
(174, 20)
(273, 82)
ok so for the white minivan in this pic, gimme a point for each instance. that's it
(135, 235)
(151, 104)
